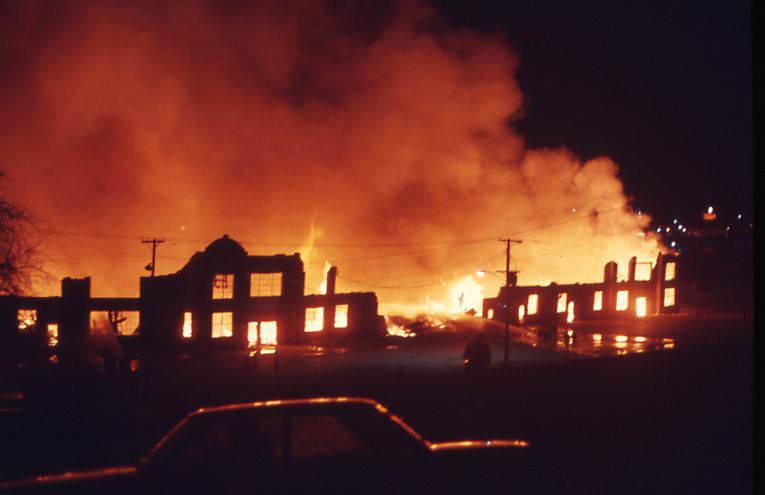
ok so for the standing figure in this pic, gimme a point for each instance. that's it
(477, 353)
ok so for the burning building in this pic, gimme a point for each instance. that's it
(222, 298)
(650, 289)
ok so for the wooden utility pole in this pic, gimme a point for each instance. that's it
(504, 302)
(154, 243)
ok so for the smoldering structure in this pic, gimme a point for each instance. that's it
(650, 289)
(222, 298)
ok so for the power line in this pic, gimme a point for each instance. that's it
(438, 244)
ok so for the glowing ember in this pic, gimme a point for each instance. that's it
(52, 334)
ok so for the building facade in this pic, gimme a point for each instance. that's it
(650, 289)
(223, 298)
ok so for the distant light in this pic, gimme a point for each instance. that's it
(667, 229)
(480, 273)
(573, 210)
(680, 227)
(658, 229)
(685, 229)
(674, 221)
(673, 243)
(640, 212)
(710, 210)
(739, 216)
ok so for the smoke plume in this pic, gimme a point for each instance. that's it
(378, 139)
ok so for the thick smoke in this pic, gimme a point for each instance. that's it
(379, 140)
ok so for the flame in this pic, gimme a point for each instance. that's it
(345, 155)
(395, 330)
(465, 294)
(52, 334)
(640, 307)
(186, 325)
(314, 319)
(323, 285)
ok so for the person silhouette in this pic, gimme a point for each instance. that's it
(477, 354)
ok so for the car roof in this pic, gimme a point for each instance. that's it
(295, 403)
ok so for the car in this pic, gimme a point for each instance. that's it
(329, 444)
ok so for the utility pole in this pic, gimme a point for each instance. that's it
(154, 243)
(504, 302)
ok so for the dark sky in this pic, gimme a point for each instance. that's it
(664, 88)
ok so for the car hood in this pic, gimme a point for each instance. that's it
(104, 474)
(477, 444)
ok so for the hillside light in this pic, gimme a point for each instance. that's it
(710, 210)
(673, 243)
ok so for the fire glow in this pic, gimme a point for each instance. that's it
(275, 161)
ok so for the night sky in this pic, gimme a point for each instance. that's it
(664, 88)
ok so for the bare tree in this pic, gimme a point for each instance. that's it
(19, 260)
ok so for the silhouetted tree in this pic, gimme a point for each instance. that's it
(18, 253)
